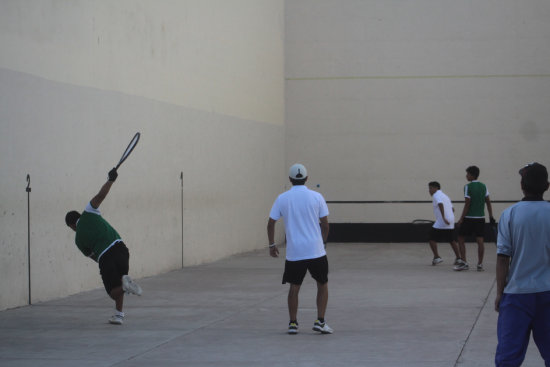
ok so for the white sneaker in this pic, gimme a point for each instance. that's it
(461, 267)
(323, 328)
(116, 319)
(437, 260)
(480, 267)
(129, 286)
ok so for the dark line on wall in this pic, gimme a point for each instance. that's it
(406, 201)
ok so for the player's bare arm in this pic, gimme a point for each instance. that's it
(489, 206)
(102, 194)
(503, 266)
(442, 210)
(273, 250)
(465, 210)
(324, 228)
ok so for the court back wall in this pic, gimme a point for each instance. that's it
(384, 96)
(203, 83)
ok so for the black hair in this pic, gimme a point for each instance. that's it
(296, 182)
(72, 217)
(473, 171)
(534, 179)
(435, 184)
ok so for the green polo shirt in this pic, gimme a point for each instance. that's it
(94, 234)
(477, 192)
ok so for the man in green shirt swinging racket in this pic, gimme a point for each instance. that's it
(97, 239)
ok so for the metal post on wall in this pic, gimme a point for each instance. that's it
(28, 189)
(181, 178)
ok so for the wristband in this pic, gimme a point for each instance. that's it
(272, 245)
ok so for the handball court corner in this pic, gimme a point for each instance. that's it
(387, 305)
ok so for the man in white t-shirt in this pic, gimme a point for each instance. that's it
(443, 228)
(302, 210)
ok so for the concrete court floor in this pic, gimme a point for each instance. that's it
(387, 305)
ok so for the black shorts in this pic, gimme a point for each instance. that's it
(113, 264)
(472, 226)
(442, 235)
(295, 271)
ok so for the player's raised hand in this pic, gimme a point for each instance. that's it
(113, 174)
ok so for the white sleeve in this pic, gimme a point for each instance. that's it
(275, 212)
(323, 210)
(90, 209)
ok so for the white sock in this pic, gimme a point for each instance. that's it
(119, 313)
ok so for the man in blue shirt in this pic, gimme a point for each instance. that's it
(523, 272)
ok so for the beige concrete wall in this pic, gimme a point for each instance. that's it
(201, 80)
(384, 96)
(212, 55)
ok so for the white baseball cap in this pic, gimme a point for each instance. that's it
(297, 172)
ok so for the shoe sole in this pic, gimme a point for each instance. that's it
(115, 322)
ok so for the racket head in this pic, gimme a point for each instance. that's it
(423, 221)
(129, 149)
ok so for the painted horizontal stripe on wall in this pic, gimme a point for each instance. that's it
(374, 77)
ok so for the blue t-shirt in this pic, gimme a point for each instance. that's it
(524, 235)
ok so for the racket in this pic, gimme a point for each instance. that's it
(423, 221)
(129, 149)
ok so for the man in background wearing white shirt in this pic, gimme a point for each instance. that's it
(443, 228)
(302, 210)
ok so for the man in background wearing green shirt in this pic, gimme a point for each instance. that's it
(96, 239)
(472, 220)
